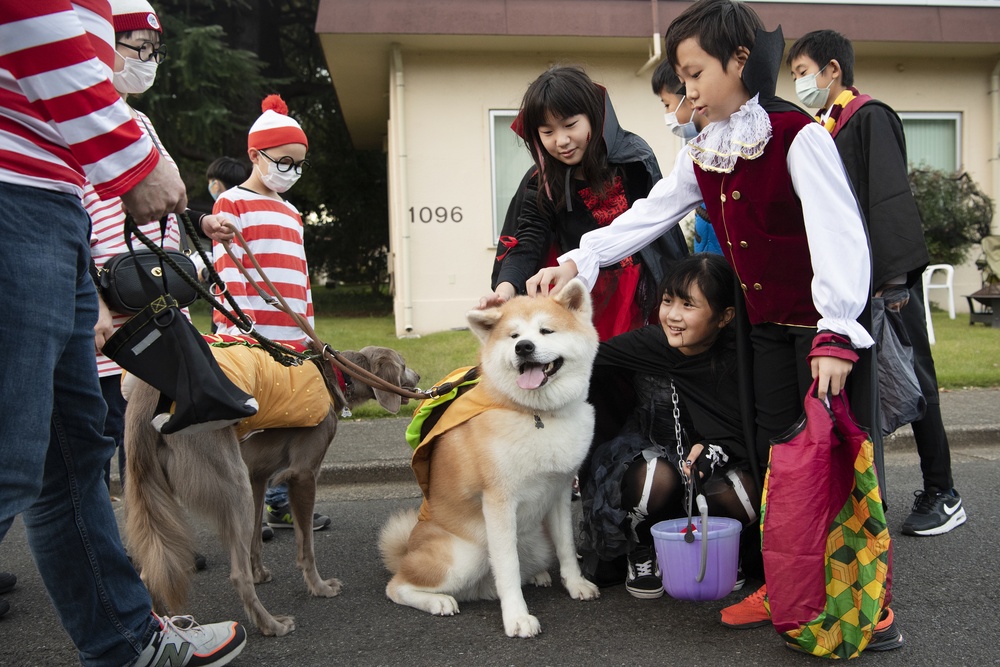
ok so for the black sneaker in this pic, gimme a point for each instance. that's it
(266, 532)
(200, 562)
(281, 517)
(643, 578)
(741, 579)
(181, 642)
(886, 636)
(934, 513)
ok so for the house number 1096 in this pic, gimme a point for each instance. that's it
(439, 214)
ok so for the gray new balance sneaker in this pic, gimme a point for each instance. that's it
(183, 643)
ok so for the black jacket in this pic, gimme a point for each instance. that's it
(872, 145)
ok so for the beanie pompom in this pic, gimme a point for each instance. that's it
(274, 103)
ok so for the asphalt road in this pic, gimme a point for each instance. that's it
(945, 599)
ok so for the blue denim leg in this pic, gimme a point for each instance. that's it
(277, 495)
(51, 425)
(114, 423)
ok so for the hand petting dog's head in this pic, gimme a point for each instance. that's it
(536, 350)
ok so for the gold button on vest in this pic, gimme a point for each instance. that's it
(743, 287)
(736, 194)
(722, 198)
(758, 286)
(743, 244)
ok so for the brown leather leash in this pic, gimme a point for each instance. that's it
(332, 356)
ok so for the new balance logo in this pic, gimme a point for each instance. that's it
(174, 656)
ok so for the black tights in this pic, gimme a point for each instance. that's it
(666, 495)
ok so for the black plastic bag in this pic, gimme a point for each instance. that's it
(900, 399)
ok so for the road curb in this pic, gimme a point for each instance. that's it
(398, 469)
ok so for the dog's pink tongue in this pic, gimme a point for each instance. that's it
(531, 378)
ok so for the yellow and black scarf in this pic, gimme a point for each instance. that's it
(843, 108)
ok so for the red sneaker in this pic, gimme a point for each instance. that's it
(750, 612)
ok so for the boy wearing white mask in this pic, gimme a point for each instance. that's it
(272, 228)
(683, 122)
(869, 137)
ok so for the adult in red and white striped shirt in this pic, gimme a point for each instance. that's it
(62, 123)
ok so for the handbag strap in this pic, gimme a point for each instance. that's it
(279, 352)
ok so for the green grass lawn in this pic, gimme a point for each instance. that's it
(965, 356)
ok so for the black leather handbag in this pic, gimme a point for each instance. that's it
(124, 291)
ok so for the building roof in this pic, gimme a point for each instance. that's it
(357, 35)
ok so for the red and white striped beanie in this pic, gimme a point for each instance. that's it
(275, 127)
(127, 15)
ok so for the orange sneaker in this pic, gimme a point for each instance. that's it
(750, 612)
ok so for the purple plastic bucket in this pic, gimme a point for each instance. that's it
(680, 562)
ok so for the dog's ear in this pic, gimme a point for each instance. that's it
(576, 298)
(482, 322)
(385, 364)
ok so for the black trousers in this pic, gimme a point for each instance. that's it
(928, 432)
(781, 378)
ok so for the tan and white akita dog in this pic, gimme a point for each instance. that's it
(497, 491)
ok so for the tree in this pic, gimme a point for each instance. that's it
(955, 213)
(224, 57)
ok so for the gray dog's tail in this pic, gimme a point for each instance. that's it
(159, 540)
(394, 538)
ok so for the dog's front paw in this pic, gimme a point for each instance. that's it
(442, 605)
(281, 626)
(581, 589)
(261, 575)
(327, 588)
(542, 579)
(524, 625)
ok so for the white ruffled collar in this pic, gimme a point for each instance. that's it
(742, 135)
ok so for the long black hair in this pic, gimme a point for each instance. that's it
(564, 91)
(710, 272)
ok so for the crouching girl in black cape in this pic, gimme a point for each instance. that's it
(633, 477)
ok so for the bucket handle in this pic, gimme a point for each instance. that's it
(703, 508)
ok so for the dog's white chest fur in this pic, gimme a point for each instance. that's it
(555, 443)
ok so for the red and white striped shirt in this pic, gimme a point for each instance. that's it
(107, 237)
(272, 229)
(61, 120)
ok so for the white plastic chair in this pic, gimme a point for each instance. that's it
(948, 284)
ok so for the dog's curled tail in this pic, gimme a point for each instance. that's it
(160, 541)
(394, 538)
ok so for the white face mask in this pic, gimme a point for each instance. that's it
(275, 180)
(136, 76)
(685, 131)
(812, 96)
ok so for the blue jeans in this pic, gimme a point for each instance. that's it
(277, 495)
(114, 424)
(51, 424)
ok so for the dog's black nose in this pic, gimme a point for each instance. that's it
(524, 348)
